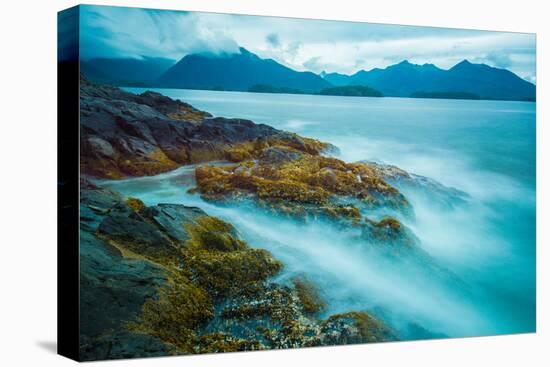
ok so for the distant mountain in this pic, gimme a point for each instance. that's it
(337, 79)
(125, 71)
(405, 79)
(245, 71)
(238, 71)
(445, 95)
(489, 82)
(351, 91)
(266, 88)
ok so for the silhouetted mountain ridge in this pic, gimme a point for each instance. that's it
(238, 71)
(246, 71)
(404, 79)
(125, 71)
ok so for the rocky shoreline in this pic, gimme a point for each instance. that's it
(170, 279)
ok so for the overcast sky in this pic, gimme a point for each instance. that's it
(302, 44)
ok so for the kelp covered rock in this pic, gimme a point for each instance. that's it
(389, 234)
(169, 279)
(355, 328)
(113, 287)
(309, 296)
(278, 317)
(301, 183)
(221, 263)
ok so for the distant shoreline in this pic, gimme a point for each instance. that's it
(318, 94)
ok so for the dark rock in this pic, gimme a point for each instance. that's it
(435, 192)
(123, 345)
(169, 218)
(169, 279)
(137, 235)
(123, 134)
(112, 288)
(303, 185)
(278, 155)
(389, 233)
(354, 328)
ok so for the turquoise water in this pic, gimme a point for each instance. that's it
(484, 148)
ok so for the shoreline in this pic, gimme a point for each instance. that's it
(126, 87)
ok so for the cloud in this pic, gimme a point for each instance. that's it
(134, 32)
(293, 48)
(272, 39)
(313, 63)
(303, 44)
(502, 60)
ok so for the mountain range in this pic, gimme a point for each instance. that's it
(126, 71)
(405, 79)
(238, 71)
(245, 71)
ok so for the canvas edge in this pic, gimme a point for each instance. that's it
(68, 187)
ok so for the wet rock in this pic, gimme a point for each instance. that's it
(169, 279)
(101, 146)
(169, 218)
(435, 192)
(354, 328)
(221, 342)
(175, 109)
(309, 296)
(136, 235)
(112, 287)
(301, 185)
(389, 233)
(122, 345)
(279, 155)
(123, 134)
(175, 314)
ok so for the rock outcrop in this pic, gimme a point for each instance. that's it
(123, 134)
(441, 195)
(169, 279)
(298, 181)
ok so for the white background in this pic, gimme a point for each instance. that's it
(28, 182)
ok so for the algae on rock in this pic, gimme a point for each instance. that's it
(198, 287)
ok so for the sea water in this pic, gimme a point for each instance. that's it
(483, 148)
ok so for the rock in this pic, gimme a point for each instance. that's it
(174, 109)
(122, 345)
(124, 134)
(355, 328)
(136, 235)
(389, 233)
(169, 279)
(309, 295)
(279, 155)
(300, 184)
(169, 218)
(112, 288)
(435, 192)
(101, 146)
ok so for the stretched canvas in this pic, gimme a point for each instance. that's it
(239, 183)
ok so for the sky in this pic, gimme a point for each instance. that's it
(302, 44)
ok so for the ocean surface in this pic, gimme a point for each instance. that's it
(484, 148)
